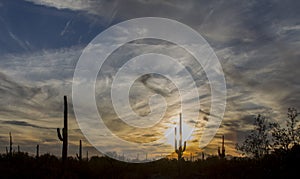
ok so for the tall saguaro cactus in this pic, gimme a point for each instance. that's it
(222, 153)
(180, 149)
(79, 156)
(64, 136)
(10, 144)
(37, 151)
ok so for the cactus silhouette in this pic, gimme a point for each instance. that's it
(79, 156)
(64, 136)
(10, 146)
(180, 149)
(222, 153)
(87, 155)
(191, 157)
(37, 151)
(146, 157)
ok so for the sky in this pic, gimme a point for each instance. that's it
(256, 41)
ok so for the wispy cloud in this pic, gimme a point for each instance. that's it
(257, 44)
(24, 123)
(105, 9)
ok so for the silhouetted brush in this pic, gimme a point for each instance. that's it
(79, 156)
(64, 136)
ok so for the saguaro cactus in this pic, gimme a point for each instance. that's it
(146, 157)
(179, 150)
(64, 136)
(10, 144)
(87, 155)
(37, 151)
(191, 157)
(222, 153)
(79, 156)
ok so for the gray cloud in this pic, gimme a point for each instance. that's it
(24, 123)
(257, 43)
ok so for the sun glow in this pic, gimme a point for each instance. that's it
(187, 131)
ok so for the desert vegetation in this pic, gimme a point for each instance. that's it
(269, 150)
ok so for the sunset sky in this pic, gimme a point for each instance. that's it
(256, 41)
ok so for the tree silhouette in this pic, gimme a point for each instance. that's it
(285, 138)
(257, 143)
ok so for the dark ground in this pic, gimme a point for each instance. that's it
(279, 165)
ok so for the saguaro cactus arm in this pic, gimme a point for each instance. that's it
(79, 156)
(184, 146)
(59, 135)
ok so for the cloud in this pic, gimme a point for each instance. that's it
(257, 44)
(105, 9)
(72, 4)
(32, 87)
(24, 123)
(290, 28)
